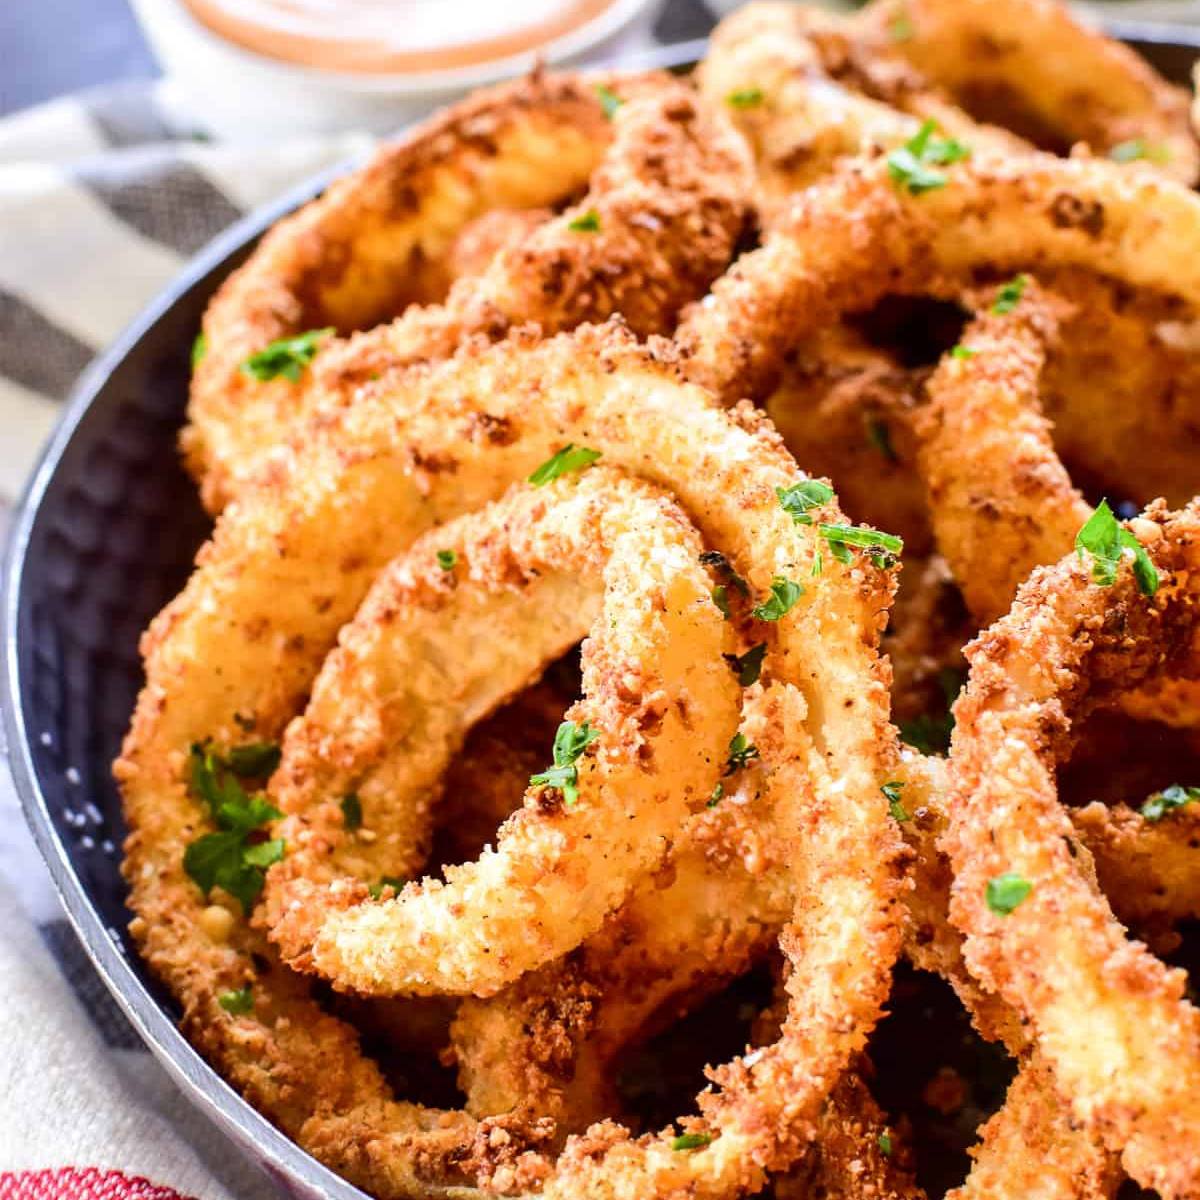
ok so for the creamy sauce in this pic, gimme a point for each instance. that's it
(393, 36)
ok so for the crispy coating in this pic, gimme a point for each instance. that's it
(1033, 66)
(429, 653)
(248, 633)
(663, 211)
(1109, 1018)
(805, 97)
(855, 237)
(378, 241)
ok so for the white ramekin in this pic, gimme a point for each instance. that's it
(232, 93)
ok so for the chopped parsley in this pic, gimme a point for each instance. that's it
(609, 100)
(962, 352)
(750, 97)
(879, 434)
(900, 28)
(199, 349)
(569, 458)
(236, 856)
(447, 559)
(910, 165)
(1005, 892)
(720, 597)
(375, 890)
(748, 667)
(588, 222)
(1009, 296)
(1168, 801)
(930, 732)
(717, 794)
(238, 1002)
(896, 809)
(885, 1143)
(352, 817)
(801, 498)
(1108, 542)
(1135, 148)
(287, 357)
(883, 548)
(570, 742)
(690, 1141)
(255, 760)
(785, 593)
(741, 752)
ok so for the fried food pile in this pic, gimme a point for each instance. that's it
(706, 572)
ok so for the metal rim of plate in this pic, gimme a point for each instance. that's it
(282, 1159)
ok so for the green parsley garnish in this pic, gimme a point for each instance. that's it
(1005, 892)
(238, 1002)
(896, 809)
(818, 563)
(801, 498)
(375, 890)
(883, 548)
(717, 793)
(569, 458)
(199, 349)
(446, 559)
(1009, 296)
(740, 753)
(1135, 148)
(749, 97)
(352, 817)
(879, 434)
(748, 667)
(900, 28)
(609, 100)
(287, 357)
(720, 597)
(909, 165)
(885, 1143)
(588, 222)
(1108, 542)
(1168, 801)
(962, 352)
(234, 858)
(930, 732)
(690, 1141)
(570, 742)
(255, 760)
(783, 598)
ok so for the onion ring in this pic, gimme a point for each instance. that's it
(1058, 947)
(665, 207)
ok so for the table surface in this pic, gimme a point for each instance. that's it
(50, 47)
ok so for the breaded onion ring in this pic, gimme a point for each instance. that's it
(430, 652)
(1109, 1018)
(243, 643)
(666, 204)
(780, 71)
(858, 236)
(1034, 66)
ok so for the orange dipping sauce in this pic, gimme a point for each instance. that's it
(393, 36)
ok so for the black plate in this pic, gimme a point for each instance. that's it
(106, 535)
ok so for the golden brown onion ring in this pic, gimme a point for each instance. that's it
(244, 641)
(665, 206)
(858, 236)
(432, 651)
(1109, 1018)
(1034, 66)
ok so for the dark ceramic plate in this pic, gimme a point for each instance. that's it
(105, 536)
